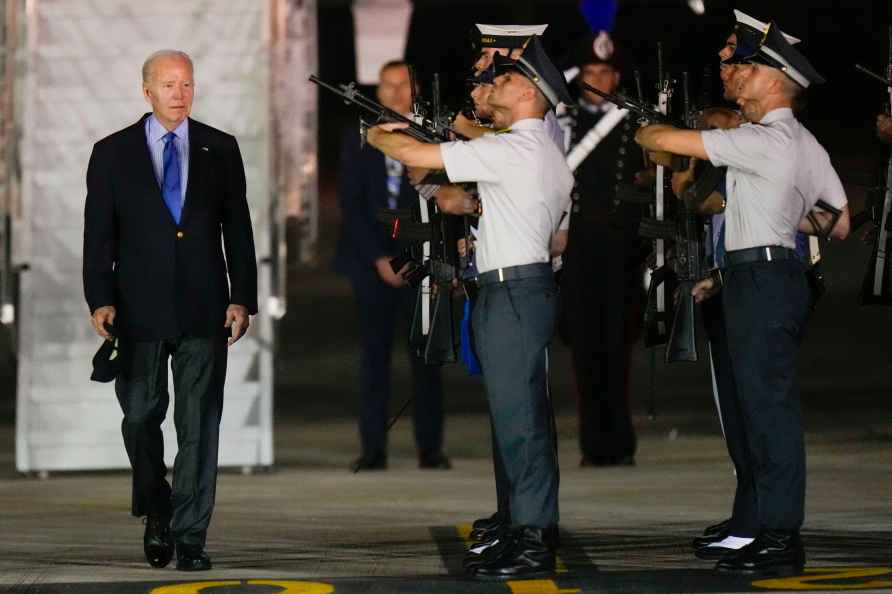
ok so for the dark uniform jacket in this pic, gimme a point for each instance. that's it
(168, 280)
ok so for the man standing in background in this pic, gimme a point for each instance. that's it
(369, 182)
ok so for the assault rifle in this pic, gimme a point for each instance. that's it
(680, 272)
(876, 287)
(430, 256)
(646, 115)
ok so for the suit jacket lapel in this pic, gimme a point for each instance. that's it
(143, 158)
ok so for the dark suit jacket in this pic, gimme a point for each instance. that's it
(168, 280)
(362, 191)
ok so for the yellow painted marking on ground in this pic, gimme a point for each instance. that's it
(193, 588)
(813, 578)
(537, 587)
(295, 587)
(464, 532)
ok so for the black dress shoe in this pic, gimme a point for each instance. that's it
(376, 461)
(486, 551)
(157, 542)
(526, 556)
(714, 533)
(192, 558)
(485, 528)
(436, 460)
(772, 553)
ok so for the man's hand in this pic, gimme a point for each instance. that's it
(559, 242)
(376, 134)
(704, 289)
(386, 273)
(884, 128)
(682, 180)
(102, 316)
(466, 127)
(237, 320)
(719, 117)
(455, 201)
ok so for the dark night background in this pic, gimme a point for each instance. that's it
(835, 35)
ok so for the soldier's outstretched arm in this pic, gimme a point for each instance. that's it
(665, 138)
(387, 139)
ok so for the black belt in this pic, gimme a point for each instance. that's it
(765, 253)
(500, 275)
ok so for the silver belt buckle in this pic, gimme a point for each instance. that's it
(501, 276)
(768, 253)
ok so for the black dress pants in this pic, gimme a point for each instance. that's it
(600, 298)
(766, 306)
(744, 516)
(384, 311)
(199, 372)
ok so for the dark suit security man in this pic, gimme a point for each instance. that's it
(160, 194)
(524, 185)
(369, 182)
(776, 173)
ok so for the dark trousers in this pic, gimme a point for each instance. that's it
(744, 517)
(384, 311)
(601, 302)
(199, 371)
(766, 307)
(513, 324)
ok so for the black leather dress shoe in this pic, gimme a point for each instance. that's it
(376, 461)
(157, 541)
(192, 558)
(480, 553)
(772, 553)
(714, 533)
(526, 556)
(434, 461)
(485, 528)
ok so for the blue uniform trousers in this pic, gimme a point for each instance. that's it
(765, 310)
(744, 515)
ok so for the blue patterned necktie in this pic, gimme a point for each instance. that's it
(170, 187)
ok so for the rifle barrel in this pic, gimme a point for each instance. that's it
(868, 72)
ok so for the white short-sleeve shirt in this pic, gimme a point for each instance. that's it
(777, 171)
(524, 185)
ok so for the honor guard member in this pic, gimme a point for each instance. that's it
(777, 171)
(507, 41)
(739, 530)
(524, 186)
(600, 288)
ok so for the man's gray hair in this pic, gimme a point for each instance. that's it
(159, 55)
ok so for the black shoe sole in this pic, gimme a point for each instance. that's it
(158, 556)
(527, 575)
(779, 571)
(713, 553)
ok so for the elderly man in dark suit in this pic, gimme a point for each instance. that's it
(369, 182)
(160, 194)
